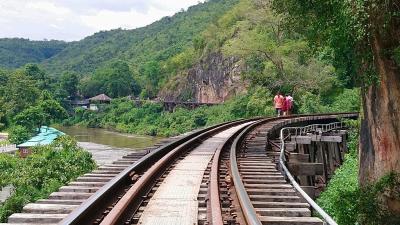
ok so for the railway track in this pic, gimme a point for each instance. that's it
(262, 194)
(225, 174)
(265, 196)
(124, 199)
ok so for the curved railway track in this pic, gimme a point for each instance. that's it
(240, 181)
(117, 201)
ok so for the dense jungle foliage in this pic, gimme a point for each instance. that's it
(41, 173)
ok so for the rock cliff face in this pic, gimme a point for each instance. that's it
(213, 80)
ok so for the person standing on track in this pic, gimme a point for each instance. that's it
(278, 103)
(289, 103)
(285, 106)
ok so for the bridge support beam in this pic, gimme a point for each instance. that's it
(313, 158)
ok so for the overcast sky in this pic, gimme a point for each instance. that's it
(75, 19)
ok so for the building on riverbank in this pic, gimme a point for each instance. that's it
(98, 100)
(92, 103)
(46, 136)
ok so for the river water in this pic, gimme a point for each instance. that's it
(110, 138)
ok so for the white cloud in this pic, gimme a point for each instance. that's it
(106, 20)
(47, 8)
(74, 19)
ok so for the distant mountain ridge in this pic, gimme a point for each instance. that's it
(158, 41)
(16, 52)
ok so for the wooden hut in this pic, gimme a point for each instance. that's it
(99, 99)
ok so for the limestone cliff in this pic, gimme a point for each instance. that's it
(213, 80)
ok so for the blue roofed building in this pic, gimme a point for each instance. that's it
(45, 136)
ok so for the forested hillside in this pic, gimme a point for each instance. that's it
(16, 52)
(256, 41)
(152, 53)
(157, 41)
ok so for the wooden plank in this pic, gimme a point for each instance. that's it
(306, 169)
(310, 190)
(290, 146)
(336, 139)
(316, 138)
(305, 140)
(298, 157)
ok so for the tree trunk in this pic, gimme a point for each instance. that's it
(380, 128)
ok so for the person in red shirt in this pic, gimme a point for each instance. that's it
(278, 103)
(285, 106)
(289, 103)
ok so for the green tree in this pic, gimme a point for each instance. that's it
(19, 134)
(276, 58)
(90, 87)
(19, 92)
(35, 73)
(151, 75)
(115, 79)
(31, 118)
(52, 111)
(46, 111)
(69, 83)
(118, 79)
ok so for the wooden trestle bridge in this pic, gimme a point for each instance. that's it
(256, 171)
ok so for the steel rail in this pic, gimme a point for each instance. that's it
(282, 160)
(214, 193)
(93, 207)
(126, 206)
(244, 200)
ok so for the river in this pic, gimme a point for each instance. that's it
(110, 138)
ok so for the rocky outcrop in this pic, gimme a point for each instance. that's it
(213, 80)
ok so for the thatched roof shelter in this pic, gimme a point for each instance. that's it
(100, 98)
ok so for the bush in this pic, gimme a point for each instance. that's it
(43, 172)
(19, 134)
(348, 101)
(260, 103)
(339, 199)
(311, 103)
